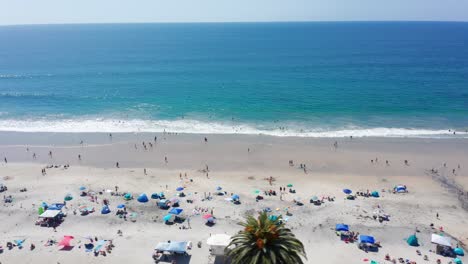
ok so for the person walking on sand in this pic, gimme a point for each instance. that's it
(5, 159)
(79, 156)
(117, 164)
(144, 171)
(34, 155)
(50, 153)
(165, 159)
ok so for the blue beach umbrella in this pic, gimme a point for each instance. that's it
(82, 188)
(168, 217)
(120, 206)
(458, 251)
(180, 189)
(235, 197)
(219, 188)
(347, 191)
(457, 261)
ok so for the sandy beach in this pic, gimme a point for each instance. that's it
(240, 164)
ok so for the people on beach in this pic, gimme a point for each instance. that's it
(117, 164)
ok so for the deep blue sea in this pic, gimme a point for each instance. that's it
(297, 79)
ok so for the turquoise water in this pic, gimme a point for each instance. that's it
(309, 79)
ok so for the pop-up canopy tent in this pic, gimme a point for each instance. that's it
(341, 227)
(172, 247)
(50, 214)
(218, 243)
(441, 240)
(366, 239)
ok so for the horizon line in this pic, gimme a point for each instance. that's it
(238, 22)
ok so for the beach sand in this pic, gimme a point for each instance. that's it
(240, 164)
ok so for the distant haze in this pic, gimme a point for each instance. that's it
(122, 11)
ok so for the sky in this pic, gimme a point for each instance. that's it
(13, 12)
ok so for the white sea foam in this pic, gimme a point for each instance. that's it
(200, 127)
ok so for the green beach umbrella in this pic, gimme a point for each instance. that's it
(256, 191)
(68, 197)
(290, 185)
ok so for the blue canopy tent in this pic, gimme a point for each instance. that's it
(142, 198)
(341, 227)
(366, 239)
(105, 209)
(347, 191)
(172, 247)
(176, 211)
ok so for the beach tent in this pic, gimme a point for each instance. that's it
(375, 194)
(235, 197)
(218, 243)
(154, 196)
(400, 188)
(457, 261)
(65, 242)
(50, 214)
(142, 198)
(441, 240)
(412, 241)
(105, 209)
(68, 197)
(179, 189)
(341, 227)
(347, 191)
(176, 211)
(366, 239)
(128, 196)
(459, 252)
(172, 247)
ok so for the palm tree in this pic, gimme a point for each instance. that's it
(265, 241)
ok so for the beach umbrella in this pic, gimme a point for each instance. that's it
(219, 188)
(154, 196)
(375, 194)
(120, 206)
(206, 216)
(142, 198)
(210, 220)
(176, 211)
(82, 188)
(65, 242)
(290, 185)
(68, 197)
(314, 199)
(179, 189)
(256, 191)
(40, 210)
(457, 261)
(347, 191)
(235, 197)
(459, 251)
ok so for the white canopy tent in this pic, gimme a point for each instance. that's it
(50, 214)
(218, 243)
(441, 240)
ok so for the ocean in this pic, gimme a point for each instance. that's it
(317, 79)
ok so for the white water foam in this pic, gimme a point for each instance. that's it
(199, 127)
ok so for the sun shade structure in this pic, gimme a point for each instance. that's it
(50, 214)
(366, 239)
(65, 242)
(176, 211)
(441, 240)
(218, 243)
(347, 191)
(172, 247)
(341, 227)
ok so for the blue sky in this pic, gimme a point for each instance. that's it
(112, 11)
